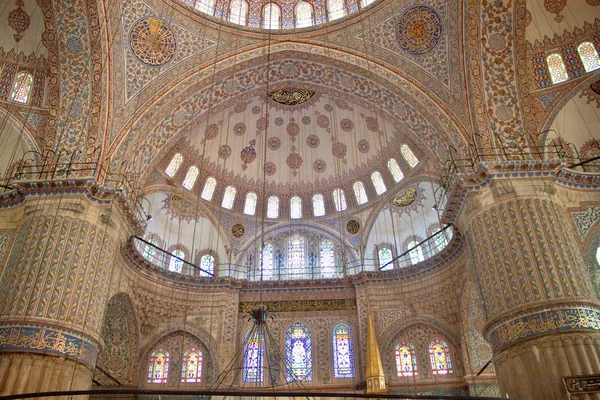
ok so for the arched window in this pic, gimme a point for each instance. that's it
(228, 198)
(406, 359)
(250, 205)
(174, 165)
(150, 250)
(360, 193)
(318, 205)
(273, 207)
(254, 353)
(271, 16)
(207, 265)
(22, 87)
(439, 239)
(296, 207)
(190, 178)
(378, 182)
(327, 259)
(238, 12)
(364, 3)
(409, 156)
(385, 258)
(296, 257)
(209, 189)
(395, 170)
(335, 9)
(440, 357)
(556, 67)
(176, 262)
(589, 56)
(158, 366)
(298, 353)
(191, 366)
(304, 15)
(267, 262)
(339, 200)
(343, 352)
(206, 6)
(416, 254)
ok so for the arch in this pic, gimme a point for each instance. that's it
(190, 177)
(250, 204)
(121, 336)
(336, 9)
(229, 197)
(409, 156)
(174, 165)
(385, 256)
(209, 189)
(298, 353)
(254, 356)
(339, 200)
(273, 207)
(297, 257)
(267, 266)
(158, 366)
(304, 15)
(238, 12)
(22, 87)
(395, 170)
(318, 205)
(406, 359)
(295, 207)
(191, 366)
(205, 6)
(360, 194)
(207, 265)
(176, 260)
(327, 258)
(271, 16)
(439, 353)
(556, 68)
(589, 56)
(378, 183)
(342, 343)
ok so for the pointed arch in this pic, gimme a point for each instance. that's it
(254, 356)
(439, 354)
(343, 351)
(191, 366)
(158, 366)
(406, 359)
(298, 353)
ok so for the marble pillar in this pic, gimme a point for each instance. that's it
(54, 293)
(542, 320)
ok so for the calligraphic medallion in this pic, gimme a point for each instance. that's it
(238, 230)
(152, 41)
(353, 226)
(291, 97)
(409, 197)
(419, 30)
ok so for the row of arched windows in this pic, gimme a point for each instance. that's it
(385, 254)
(587, 54)
(176, 261)
(273, 202)
(298, 357)
(304, 13)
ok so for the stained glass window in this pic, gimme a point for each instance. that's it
(238, 12)
(416, 254)
(206, 6)
(303, 15)
(190, 178)
(273, 207)
(339, 200)
(589, 56)
(267, 262)
(254, 352)
(556, 67)
(378, 182)
(228, 198)
(207, 265)
(298, 353)
(360, 193)
(22, 87)
(296, 207)
(335, 9)
(150, 250)
(318, 205)
(191, 366)
(175, 264)
(174, 165)
(250, 205)
(409, 156)
(209, 189)
(440, 357)
(271, 16)
(158, 366)
(296, 256)
(385, 258)
(327, 259)
(343, 352)
(395, 170)
(406, 359)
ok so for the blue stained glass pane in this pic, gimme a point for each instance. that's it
(298, 353)
(254, 353)
(343, 352)
(267, 262)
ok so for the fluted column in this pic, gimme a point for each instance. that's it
(54, 292)
(542, 321)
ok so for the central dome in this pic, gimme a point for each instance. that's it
(278, 14)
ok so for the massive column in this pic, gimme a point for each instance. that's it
(542, 321)
(54, 291)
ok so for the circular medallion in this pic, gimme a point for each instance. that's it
(313, 141)
(323, 121)
(270, 169)
(152, 41)
(372, 124)
(419, 30)
(274, 143)
(278, 121)
(363, 146)
(293, 129)
(239, 129)
(353, 227)
(319, 166)
(240, 107)
(224, 152)
(211, 131)
(347, 125)
(339, 150)
(306, 120)
(294, 161)
(238, 230)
